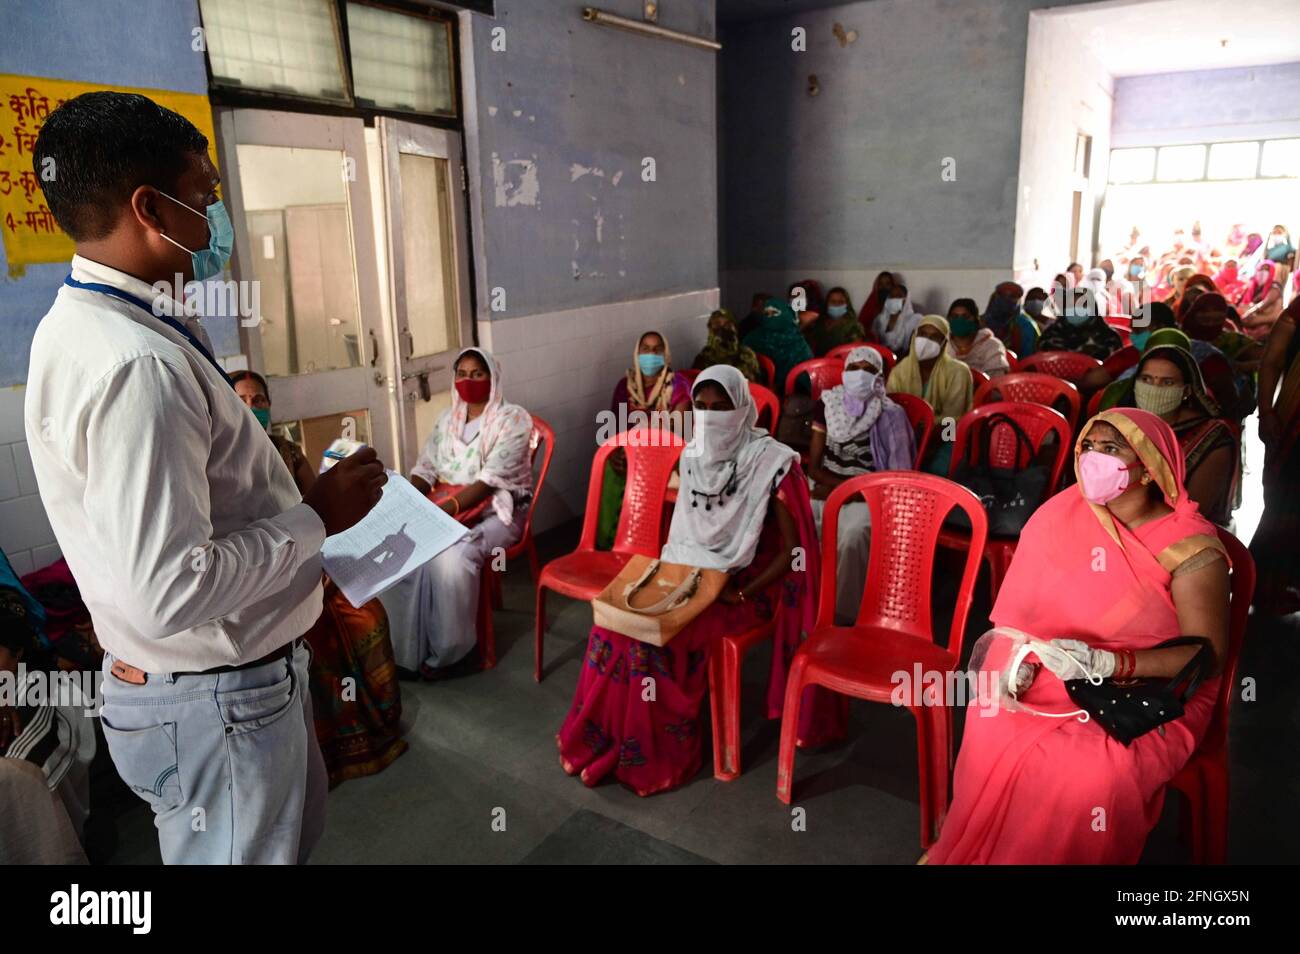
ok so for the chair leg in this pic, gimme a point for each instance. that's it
(494, 587)
(487, 637)
(794, 686)
(540, 619)
(533, 568)
(932, 759)
(1214, 813)
(724, 687)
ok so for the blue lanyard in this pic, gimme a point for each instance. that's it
(165, 319)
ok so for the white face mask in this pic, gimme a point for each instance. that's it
(893, 306)
(717, 434)
(926, 348)
(858, 382)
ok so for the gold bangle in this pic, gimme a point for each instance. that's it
(457, 503)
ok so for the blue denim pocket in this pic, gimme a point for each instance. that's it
(146, 760)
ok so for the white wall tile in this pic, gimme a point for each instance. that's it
(21, 561)
(23, 466)
(8, 473)
(23, 524)
(11, 415)
(44, 556)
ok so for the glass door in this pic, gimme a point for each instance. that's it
(299, 197)
(427, 226)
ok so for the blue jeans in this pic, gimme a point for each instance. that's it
(228, 762)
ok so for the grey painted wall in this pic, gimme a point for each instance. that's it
(1205, 105)
(566, 114)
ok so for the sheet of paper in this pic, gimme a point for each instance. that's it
(403, 531)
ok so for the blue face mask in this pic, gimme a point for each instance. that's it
(837, 311)
(1076, 316)
(1139, 339)
(263, 415)
(211, 261)
(650, 364)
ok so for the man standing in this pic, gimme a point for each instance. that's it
(195, 554)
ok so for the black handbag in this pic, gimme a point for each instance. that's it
(1129, 710)
(1008, 496)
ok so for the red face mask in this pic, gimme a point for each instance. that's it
(474, 390)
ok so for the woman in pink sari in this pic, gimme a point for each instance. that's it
(742, 507)
(1106, 570)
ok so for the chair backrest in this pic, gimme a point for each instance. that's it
(907, 511)
(1070, 365)
(769, 370)
(767, 402)
(921, 417)
(824, 373)
(887, 357)
(978, 378)
(543, 435)
(1033, 388)
(1005, 451)
(1013, 360)
(651, 456)
(1243, 590)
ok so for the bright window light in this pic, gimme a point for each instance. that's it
(1281, 158)
(1233, 160)
(1132, 165)
(1180, 163)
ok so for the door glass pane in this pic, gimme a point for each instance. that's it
(1281, 158)
(285, 46)
(1180, 163)
(429, 255)
(399, 61)
(1132, 165)
(299, 231)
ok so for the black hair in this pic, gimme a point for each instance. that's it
(848, 299)
(238, 376)
(1162, 316)
(96, 149)
(968, 304)
(899, 287)
(1038, 291)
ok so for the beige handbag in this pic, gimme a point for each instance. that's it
(652, 601)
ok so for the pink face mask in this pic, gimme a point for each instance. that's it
(1102, 477)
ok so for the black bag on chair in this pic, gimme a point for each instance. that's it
(1128, 711)
(1009, 496)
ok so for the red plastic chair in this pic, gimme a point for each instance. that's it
(767, 402)
(1037, 422)
(1204, 779)
(840, 352)
(582, 574)
(921, 416)
(1070, 365)
(893, 632)
(1013, 360)
(978, 378)
(824, 372)
(691, 373)
(1094, 403)
(490, 579)
(1032, 388)
(724, 696)
(769, 370)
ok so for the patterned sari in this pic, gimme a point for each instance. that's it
(1030, 789)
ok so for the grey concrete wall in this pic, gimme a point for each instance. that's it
(566, 114)
(1257, 102)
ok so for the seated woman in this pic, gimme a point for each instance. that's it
(723, 347)
(778, 337)
(1262, 302)
(1027, 787)
(651, 388)
(742, 507)
(1216, 372)
(1236, 356)
(837, 325)
(1168, 383)
(1005, 318)
(932, 373)
(478, 452)
(856, 430)
(972, 344)
(875, 302)
(897, 320)
(1274, 544)
(358, 730)
(1082, 328)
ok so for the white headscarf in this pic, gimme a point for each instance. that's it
(850, 415)
(499, 454)
(729, 472)
(897, 340)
